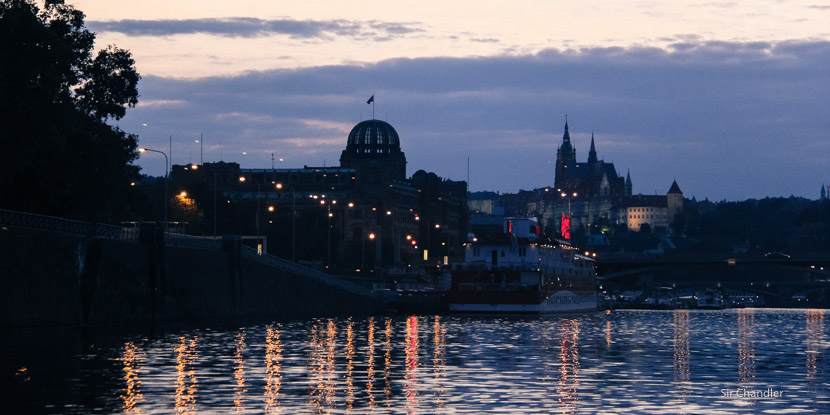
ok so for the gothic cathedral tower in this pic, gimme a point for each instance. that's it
(565, 158)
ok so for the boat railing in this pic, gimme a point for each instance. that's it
(511, 266)
(472, 286)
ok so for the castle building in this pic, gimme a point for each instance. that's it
(593, 193)
(656, 211)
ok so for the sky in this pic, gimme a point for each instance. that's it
(729, 98)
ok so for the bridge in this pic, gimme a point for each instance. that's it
(781, 279)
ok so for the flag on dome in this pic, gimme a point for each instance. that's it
(371, 100)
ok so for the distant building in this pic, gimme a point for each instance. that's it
(593, 193)
(412, 221)
(656, 211)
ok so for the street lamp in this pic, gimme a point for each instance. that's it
(293, 218)
(196, 167)
(242, 179)
(328, 243)
(166, 161)
(569, 201)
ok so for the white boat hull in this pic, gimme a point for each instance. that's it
(561, 302)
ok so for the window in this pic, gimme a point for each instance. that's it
(523, 251)
(476, 251)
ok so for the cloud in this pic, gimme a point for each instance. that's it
(247, 27)
(728, 120)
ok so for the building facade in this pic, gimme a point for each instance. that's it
(362, 214)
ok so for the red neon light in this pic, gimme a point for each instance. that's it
(566, 227)
(510, 226)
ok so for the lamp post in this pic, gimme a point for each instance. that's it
(569, 201)
(567, 236)
(328, 239)
(293, 219)
(242, 180)
(166, 162)
(196, 167)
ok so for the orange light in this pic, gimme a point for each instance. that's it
(371, 236)
(242, 179)
(270, 208)
(183, 194)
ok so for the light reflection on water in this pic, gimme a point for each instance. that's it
(627, 362)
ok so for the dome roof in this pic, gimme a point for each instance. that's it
(374, 137)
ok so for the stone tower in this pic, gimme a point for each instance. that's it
(674, 202)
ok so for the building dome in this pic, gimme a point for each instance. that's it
(373, 137)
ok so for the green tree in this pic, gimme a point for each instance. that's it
(59, 155)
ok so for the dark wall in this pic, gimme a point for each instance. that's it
(53, 279)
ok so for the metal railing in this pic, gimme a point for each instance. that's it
(289, 266)
(51, 223)
(191, 241)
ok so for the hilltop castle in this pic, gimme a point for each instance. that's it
(592, 192)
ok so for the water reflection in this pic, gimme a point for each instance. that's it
(349, 364)
(746, 345)
(568, 366)
(131, 359)
(814, 345)
(273, 364)
(438, 362)
(411, 350)
(370, 362)
(387, 362)
(449, 364)
(608, 332)
(323, 351)
(681, 352)
(186, 383)
(239, 372)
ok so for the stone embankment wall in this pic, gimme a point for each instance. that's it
(56, 279)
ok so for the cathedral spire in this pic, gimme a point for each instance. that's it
(566, 146)
(592, 154)
(629, 187)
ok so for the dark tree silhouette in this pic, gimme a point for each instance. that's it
(58, 154)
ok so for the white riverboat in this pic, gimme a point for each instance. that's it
(515, 272)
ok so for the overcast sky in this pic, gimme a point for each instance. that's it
(731, 99)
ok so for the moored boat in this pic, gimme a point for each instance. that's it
(515, 272)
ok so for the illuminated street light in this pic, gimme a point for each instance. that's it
(166, 178)
(293, 220)
(242, 179)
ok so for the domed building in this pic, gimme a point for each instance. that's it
(363, 214)
(374, 151)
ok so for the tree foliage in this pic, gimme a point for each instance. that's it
(59, 155)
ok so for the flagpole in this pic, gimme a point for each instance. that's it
(373, 105)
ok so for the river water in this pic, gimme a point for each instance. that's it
(730, 361)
